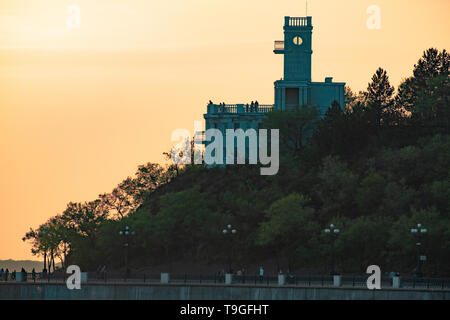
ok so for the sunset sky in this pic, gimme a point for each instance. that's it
(80, 109)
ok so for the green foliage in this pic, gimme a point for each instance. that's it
(379, 97)
(363, 242)
(336, 188)
(433, 64)
(435, 244)
(369, 193)
(432, 107)
(440, 193)
(289, 226)
(296, 126)
(375, 169)
(186, 220)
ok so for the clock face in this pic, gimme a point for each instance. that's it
(298, 40)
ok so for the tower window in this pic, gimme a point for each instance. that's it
(298, 40)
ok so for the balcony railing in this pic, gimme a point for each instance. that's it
(278, 47)
(239, 108)
(300, 280)
(298, 21)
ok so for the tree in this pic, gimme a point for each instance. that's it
(51, 239)
(131, 192)
(336, 189)
(148, 178)
(288, 227)
(371, 175)
(62, 239)
(432, 64)
(406, 95)
(435, 244)
(174, 169)
(38, 241)
(122, 200)
(331, 136)
(362, 242)
(379, 96)
(296, 126)
(187, 221)
(353, 99)
(370, 193)
(349, 95)
(432, 106)
(83, 220)
(440, 193)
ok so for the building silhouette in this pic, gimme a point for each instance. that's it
(292, 91)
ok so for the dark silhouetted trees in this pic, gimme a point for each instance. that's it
(374, 168)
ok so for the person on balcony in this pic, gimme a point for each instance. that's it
(256, 106)
(252, 106)
(246, 108)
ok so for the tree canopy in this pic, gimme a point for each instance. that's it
(374, 168)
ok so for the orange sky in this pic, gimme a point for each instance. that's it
(81, 109)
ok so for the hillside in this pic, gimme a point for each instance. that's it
(12, 265)
(373, 171)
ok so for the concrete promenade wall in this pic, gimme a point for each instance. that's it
(123, 291)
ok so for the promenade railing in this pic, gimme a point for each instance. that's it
(239, 108)
(356, 281)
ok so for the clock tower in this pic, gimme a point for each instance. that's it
(297, 48)
(296, 88)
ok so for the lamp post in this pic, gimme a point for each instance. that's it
(333, 232)
(42, 232)
(418, 232)
(126, 233)
(229, 231)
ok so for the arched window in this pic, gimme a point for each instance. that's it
(298, 40)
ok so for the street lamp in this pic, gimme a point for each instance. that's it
(418, 232)
(333, 232)
(126, 233)
(229, 231)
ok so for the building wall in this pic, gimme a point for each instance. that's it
(295, 90)
(223, 122)
(323, 94)
(320, 94)
(208, 292)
